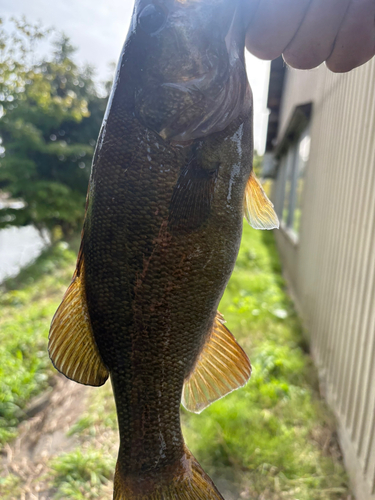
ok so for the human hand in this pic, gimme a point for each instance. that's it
(309, 32)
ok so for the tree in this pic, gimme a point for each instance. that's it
(50, 118)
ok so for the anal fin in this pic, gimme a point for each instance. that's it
(222, 367)
(259, 211)
(71, 343)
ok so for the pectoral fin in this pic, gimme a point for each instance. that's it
(71, 345)
(259, 211)
(192, 197)
(221, 368)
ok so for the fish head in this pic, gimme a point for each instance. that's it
(187, 63)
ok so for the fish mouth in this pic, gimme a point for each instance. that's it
(206, 98)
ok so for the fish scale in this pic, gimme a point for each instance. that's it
(163, 320)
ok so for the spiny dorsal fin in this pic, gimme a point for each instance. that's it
(71, 345)
(222, 367)
(259, 211)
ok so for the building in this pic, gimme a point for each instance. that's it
(321, 155)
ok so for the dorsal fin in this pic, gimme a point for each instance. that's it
(222, 367)
(259, 211)
(71, 345)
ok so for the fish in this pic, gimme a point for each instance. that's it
(171, 180)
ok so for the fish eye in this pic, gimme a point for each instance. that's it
(151, 19)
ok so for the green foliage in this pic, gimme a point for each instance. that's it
(9, 486)
(51, 115)
(80, 474)
(26, 309)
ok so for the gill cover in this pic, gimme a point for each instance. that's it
(190, 79)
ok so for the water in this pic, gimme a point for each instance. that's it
(19, 246)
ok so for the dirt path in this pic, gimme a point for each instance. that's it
(43, 436)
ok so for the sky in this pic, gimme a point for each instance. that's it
(98, 29)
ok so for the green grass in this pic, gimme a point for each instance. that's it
(273, 431)
(80, 474)
(274, 439)
(9, 486)
(27, 305)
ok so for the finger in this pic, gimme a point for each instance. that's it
(355, 42)
(314, 41)
(273, 26)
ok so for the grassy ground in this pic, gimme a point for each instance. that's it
(276, 432)
(273, 439)
(27, 304)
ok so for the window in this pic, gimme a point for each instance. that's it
(302, 159)
(291, 175)
(288, 187)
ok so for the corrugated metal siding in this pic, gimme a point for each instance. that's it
(332, 268)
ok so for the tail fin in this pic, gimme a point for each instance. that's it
(189, 483)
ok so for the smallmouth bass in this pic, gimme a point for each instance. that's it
(171, 176)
